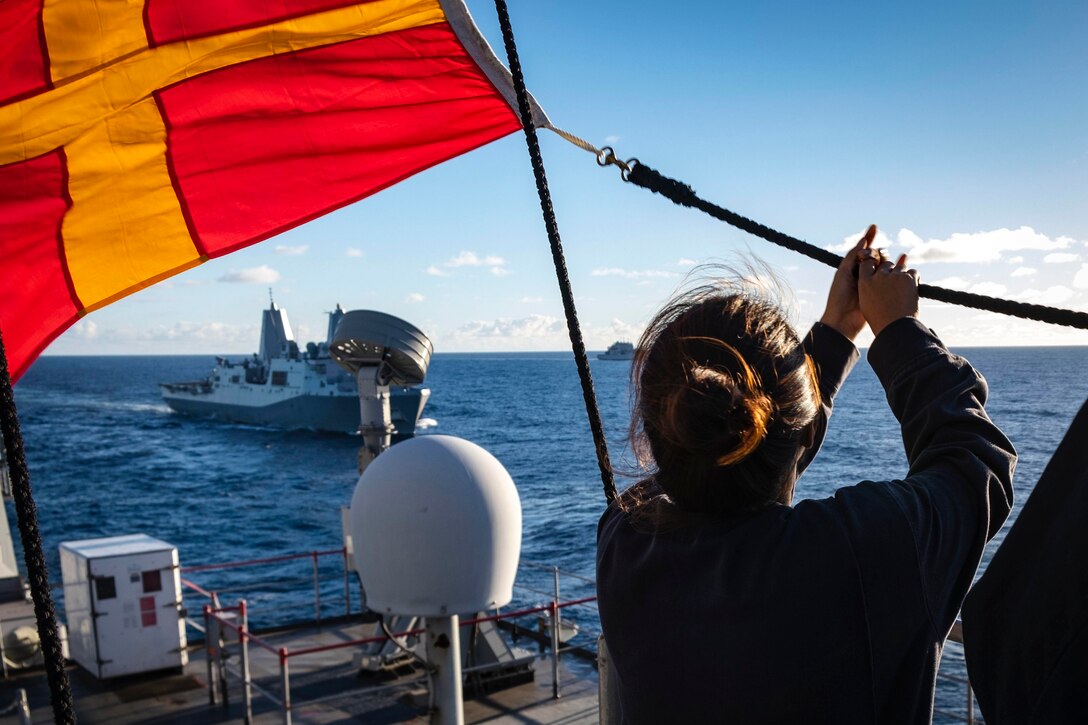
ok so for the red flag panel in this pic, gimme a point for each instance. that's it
(263, 146)
(24, 64)
(33, 200)
(170, 20)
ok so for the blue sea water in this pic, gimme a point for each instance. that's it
(107, 457)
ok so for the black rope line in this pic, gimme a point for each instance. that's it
(573, 328)
(682, 194)
(37, 573)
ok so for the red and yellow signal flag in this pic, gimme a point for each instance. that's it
(139, 139)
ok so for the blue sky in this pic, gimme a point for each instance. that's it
(960, 128)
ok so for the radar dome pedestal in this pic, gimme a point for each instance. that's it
(436, 529)
(379, 350)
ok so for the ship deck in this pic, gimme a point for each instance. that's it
(325, 688)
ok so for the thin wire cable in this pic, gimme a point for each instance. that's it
(573, 328)
(37, 572)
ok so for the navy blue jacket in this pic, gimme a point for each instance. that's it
(830, 611)
(1025, 623)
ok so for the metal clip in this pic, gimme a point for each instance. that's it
(607, 156)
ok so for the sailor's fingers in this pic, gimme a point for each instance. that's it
(901, 263)
(885, 267)
(857, 253)
(867, 267)
(913, 273)
(866, 240)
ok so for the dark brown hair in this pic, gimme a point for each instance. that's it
(723, 391)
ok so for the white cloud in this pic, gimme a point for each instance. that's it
(1015, 260)
(618, 330)
(1023, 271)
(976, 247)
(471, 259)
(1061, 258)
(609, 140)
(415, 297)
(956, 283)
(525, 327)
(254, 275)
(221, 334)
(632, 273)
(1055, 295)
(530, 300)
(291, 251)
(686, 262)
(1080, 281)
(86, 329)
(496, 265)
(353, 252)
(992, 289)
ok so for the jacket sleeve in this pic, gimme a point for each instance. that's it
(958, 489)
(834, 357)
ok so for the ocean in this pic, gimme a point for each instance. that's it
(107, 457)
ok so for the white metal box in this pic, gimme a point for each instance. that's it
(122, 597)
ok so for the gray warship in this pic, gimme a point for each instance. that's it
(285, 386)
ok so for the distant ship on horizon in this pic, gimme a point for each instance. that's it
(285, 387)
(619, 350)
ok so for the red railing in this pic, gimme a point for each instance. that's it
(258, 562)
(217, 667)
(284, 655)
(314, 556)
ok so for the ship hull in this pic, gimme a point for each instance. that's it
(328, 413)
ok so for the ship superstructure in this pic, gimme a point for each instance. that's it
(285, 386)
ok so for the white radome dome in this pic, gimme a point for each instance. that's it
(436, 529)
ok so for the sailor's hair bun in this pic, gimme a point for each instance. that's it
(723, 392)
(720, 413)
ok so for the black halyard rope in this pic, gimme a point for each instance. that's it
(573, 328)
(682, 194)
(63, 711)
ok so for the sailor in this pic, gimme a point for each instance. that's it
(721, 599)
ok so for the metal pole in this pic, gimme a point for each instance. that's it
(243, 635)
(23, 708)
(555, 634)
(285, 680)
(444, 658)
(3, 654)
(221, 665)
(211, 651)
(347, 584)
(317, 590)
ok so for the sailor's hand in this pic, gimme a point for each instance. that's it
(887, 292)
(843, 311)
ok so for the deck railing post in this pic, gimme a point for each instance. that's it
(317, 589)
(243, 636)
(211, 651)
(22, 708)
(3, 655)
(347, 583)
(555, 634)
(285, 679)
(221, 666)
